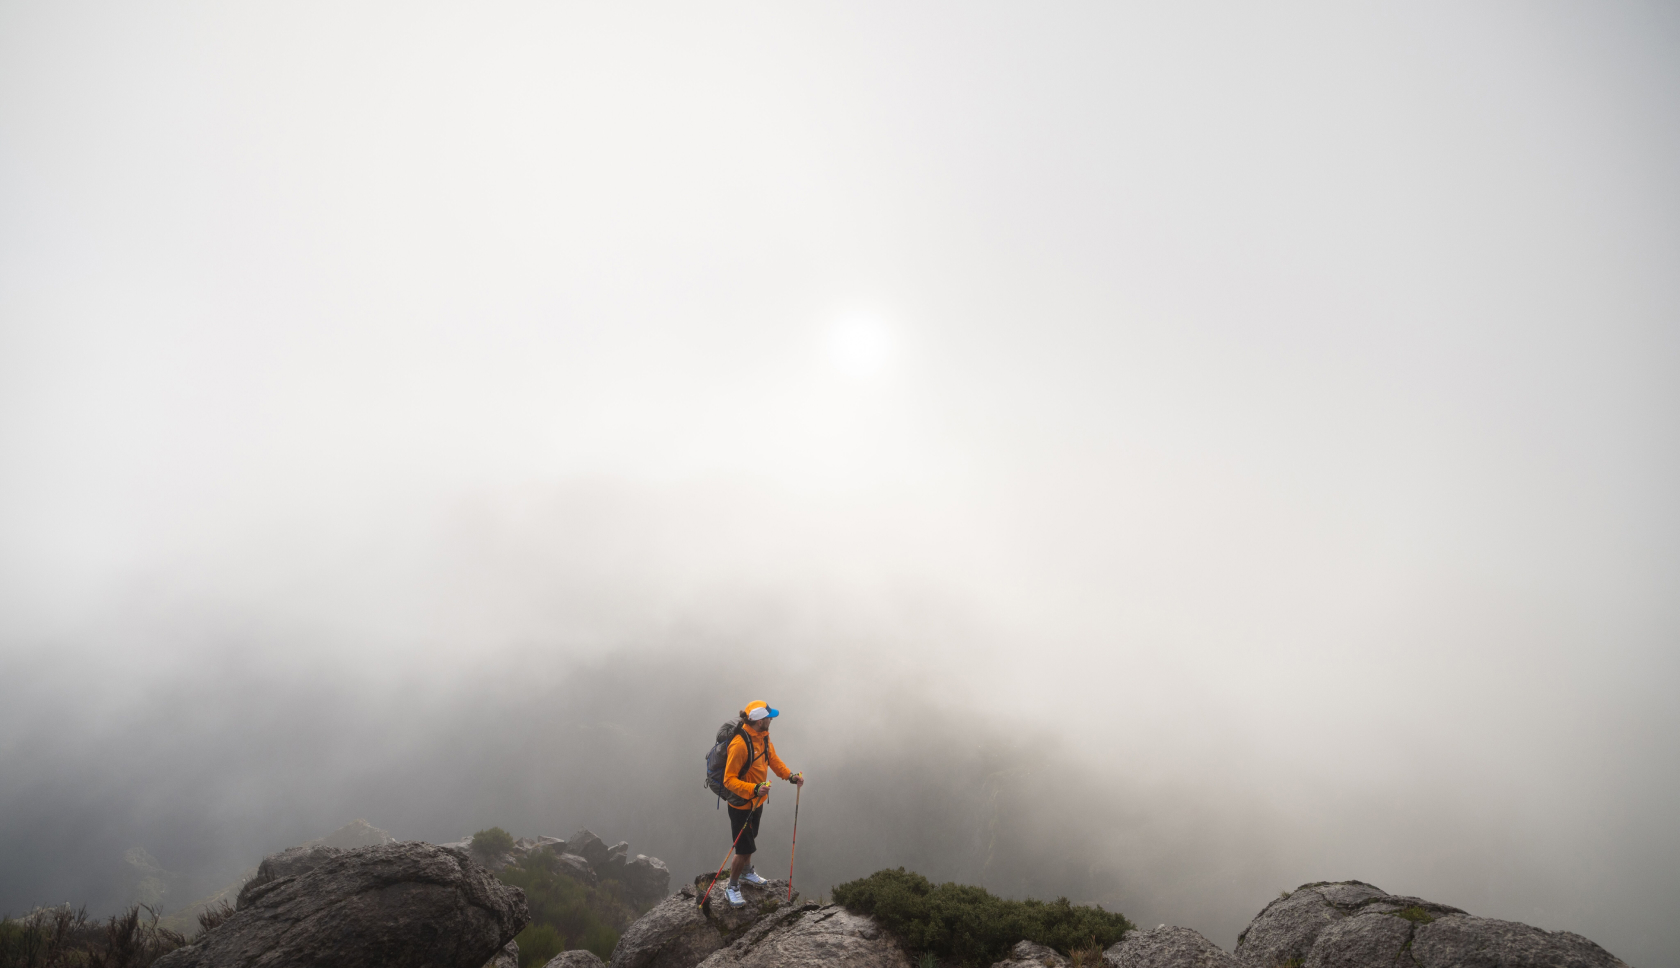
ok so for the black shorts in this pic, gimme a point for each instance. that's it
(746, 842)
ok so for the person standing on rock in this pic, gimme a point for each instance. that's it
(751, 757)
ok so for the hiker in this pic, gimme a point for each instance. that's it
(745, 775)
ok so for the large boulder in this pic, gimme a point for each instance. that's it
(1166, 947)
(590, 847)
(395, 905)
(1351, 924)
(647, 879)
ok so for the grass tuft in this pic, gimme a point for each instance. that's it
(68, 939)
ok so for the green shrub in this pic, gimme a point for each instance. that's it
(68, 938)
(565, 912)
(489, 845)
(969, 925)
(538, 943)
(1414, 914)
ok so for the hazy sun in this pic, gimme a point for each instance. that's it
(860, 346)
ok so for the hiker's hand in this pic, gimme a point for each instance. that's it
(798, 779)
(762, 789)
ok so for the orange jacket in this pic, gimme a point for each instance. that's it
(764, 753)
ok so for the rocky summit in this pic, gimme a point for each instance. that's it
(1348, 924)
(398, 905)
(408, 905)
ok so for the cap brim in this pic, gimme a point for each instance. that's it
(774, 712)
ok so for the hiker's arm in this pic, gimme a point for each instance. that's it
(732, 770)
(776, 762)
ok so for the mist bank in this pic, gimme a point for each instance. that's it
(228, 751)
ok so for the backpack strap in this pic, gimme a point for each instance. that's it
(742, 774)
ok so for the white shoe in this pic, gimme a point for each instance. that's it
(733, 896)
(751, 877)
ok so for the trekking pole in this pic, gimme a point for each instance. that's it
(797, 790)
(708, 895)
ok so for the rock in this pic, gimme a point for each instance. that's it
(812, 936)
(1488, 943)
(589, 847)
(617, 853)
(508, 957)
(679, 934)
(1285, 929)
(1371, 938)
(1030, 954)
(576, 958)
(395, 905)
(647, 879)
(1351, 924)
(288, 863)
(577, 867)
(1166, 947)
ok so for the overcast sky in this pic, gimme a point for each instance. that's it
(1281, 406)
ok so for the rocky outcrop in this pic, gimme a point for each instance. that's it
(1351, 923)
(395, 905)
(1166, 947)
(810, 935)
(683, 932)
(508, 957)
(679, 933)
(1027, 954)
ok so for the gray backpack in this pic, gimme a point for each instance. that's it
(718, 758)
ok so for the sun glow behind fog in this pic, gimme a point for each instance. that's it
(861, 346)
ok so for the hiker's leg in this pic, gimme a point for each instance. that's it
(736, 868)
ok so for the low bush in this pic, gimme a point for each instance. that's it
(964, 925)
(490, 845)
(68, 939)
(214, 915)
(565, 912)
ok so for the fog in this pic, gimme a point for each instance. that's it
(1156, 456)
